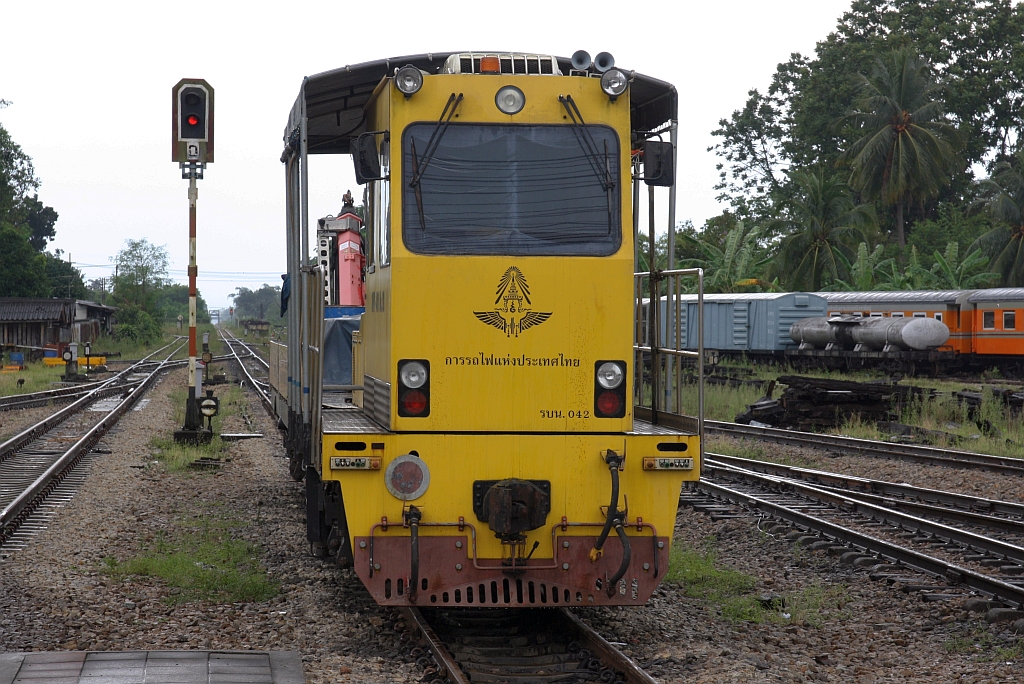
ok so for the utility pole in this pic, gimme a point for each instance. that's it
(192, 148)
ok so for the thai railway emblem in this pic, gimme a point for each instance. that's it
(512, 312)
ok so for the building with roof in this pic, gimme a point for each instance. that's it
(29, 323)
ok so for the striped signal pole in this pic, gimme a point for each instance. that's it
(193, 421)
(192, 148)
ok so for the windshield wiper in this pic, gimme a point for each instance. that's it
(587, 143)
(589, 146)
(435, 139)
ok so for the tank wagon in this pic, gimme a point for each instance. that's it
(909, 332)
(985, 328)
(488, 451)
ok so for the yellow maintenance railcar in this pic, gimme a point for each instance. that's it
(488, 450)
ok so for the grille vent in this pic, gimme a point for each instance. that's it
(469, 63)
(377, 400)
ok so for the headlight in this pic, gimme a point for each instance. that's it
(413, 375)
(510, 100)
(610, 375)
(409, 80)
(614, 83)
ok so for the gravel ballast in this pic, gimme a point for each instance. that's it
(57, 595)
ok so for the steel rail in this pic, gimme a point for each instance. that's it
(248, 347)
(849, 504)
(448, 668)
(23, 401)
(425, 635)
(263, 395)
(929, 565)
(606, 652)
(29, 499)
(962, 511)
(916, 453)
(940, 512)
(852, 483)
(27, 435)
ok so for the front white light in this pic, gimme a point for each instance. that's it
(614, 82)
(510, 100)
(413, 375)
(610, 375)
(409, 80)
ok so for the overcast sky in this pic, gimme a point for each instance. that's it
(90, 85)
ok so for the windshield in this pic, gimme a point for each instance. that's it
(517, 190)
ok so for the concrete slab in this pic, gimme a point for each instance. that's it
(152, 667)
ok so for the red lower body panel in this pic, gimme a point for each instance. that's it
(448, 575)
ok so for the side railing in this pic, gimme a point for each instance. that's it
(661, 350)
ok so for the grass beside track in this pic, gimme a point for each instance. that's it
(200, 560)
(175, 458)
(732, 593)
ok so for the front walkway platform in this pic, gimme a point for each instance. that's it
(152, 667)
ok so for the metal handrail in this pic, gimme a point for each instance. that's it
(657, 349)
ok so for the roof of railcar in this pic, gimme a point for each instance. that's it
(918, 296)
(335, 99)
(998, 294)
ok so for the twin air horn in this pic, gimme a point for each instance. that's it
(602, 63)
(613, 81)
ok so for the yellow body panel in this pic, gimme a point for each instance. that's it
(541, 380)
(580, 482)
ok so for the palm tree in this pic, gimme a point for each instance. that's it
(821, 225)
(1004, 194)
(908, 145)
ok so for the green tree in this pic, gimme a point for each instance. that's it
(172, 301)
(17, 176)
(1004, 196)
(140, 270)
(976, 48)
(262, 304)
(907, 145)
(22, 268)
(132, 323)
(40, 220)
(64, 279)
(821, 224)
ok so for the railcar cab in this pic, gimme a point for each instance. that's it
(495, 369)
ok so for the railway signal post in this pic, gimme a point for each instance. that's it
(192, 148)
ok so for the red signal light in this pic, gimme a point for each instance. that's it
(414, 402)
(608, 403)
(193, 120)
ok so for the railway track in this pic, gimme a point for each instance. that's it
(864, 447)
(963, 547)
(40, 462)
(513, 646)
(259, 385)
